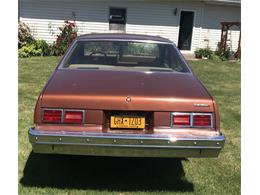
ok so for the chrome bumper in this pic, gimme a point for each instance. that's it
(148, 145)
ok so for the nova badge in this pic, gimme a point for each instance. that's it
(201, 105)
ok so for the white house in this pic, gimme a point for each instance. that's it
(190, 24)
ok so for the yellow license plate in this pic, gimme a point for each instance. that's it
(127, 122)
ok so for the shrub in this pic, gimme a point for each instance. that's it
(28, 45)
(36, 48)
(28, 51)
(225, 55)
(43, 45)
(204, 53)
(216, 58)
(24, 35)
(65, 38)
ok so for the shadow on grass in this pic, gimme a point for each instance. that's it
(105, 173)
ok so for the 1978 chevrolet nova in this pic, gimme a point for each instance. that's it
(125, 95)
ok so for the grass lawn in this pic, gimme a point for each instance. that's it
(61, 174)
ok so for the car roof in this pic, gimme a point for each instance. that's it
(123, 36)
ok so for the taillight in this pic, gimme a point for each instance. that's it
(62, 116)
(202, 120)
(181, 119)
(195, 120)
(73, 116)
(52, 116)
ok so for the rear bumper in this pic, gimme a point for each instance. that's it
(148, 145)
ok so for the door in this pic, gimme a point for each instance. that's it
(185, 30)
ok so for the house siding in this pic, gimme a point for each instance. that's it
(143, 17)
(211, 28)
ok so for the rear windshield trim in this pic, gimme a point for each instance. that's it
(74, 44)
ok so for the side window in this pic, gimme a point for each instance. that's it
(174, 60)
(117, 19)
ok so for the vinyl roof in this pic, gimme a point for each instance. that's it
(123, 36)
(234, 2)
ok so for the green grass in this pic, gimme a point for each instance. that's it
(61, 174)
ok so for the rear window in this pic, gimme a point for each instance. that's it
(124, 55)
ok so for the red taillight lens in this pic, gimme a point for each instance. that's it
(202, 120)
(52, 116)
(73, 117)
(181, 119)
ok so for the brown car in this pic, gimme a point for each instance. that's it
(125, 95)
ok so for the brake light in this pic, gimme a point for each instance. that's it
(203, 120)
(73, 116)
(181, 119)
(185, 119)
(52, 116)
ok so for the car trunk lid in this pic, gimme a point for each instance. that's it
(126, 90)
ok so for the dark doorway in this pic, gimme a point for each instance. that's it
(185, 31)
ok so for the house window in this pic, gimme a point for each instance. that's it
(117, 19)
